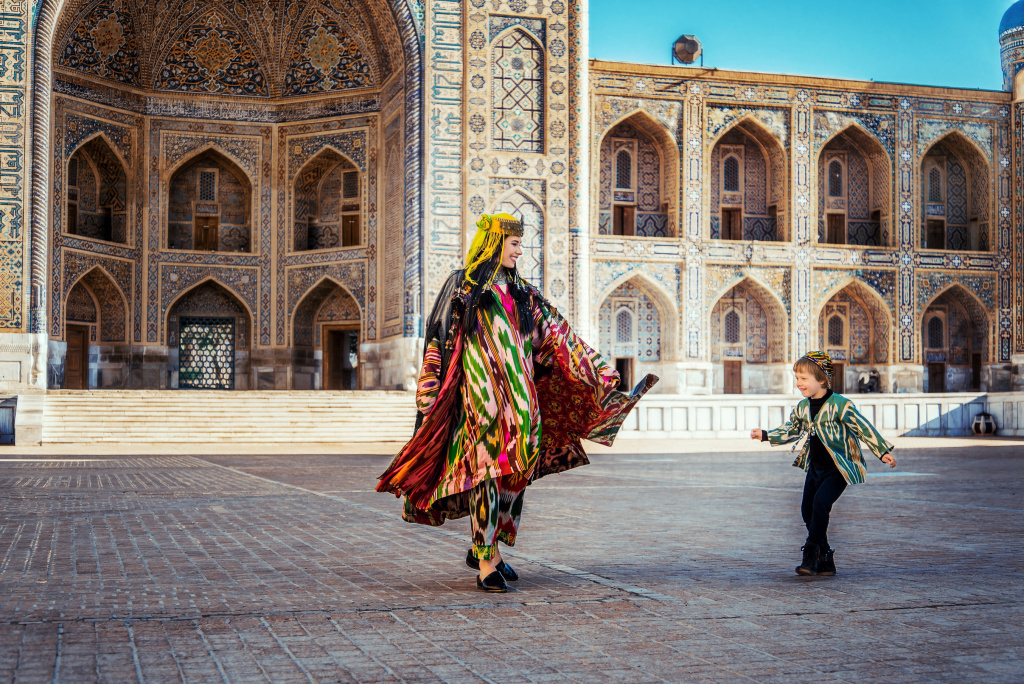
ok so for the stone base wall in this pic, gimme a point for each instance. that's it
(391, 365)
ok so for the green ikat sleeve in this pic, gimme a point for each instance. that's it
(866, 432)
(789, 432)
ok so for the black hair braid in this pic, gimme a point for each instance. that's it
(480, 295)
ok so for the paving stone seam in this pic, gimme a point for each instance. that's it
(551, 565)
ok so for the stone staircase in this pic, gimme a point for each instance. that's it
(187, 416)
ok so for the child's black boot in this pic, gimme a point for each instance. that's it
(826, 565)
(809, 566)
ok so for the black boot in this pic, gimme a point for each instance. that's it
(504, 568)
(809, 566)
(826, 566)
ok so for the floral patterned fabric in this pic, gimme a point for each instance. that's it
(492, 419)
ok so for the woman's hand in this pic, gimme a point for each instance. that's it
(890, 459)
(756, 434)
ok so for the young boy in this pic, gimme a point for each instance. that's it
(831, 455)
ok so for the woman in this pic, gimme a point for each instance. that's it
(505, 394)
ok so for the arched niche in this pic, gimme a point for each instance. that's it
(635, 329)
(326, 335)
(749, 331)
(209, 205)
(855, 204)
(328, 203)
(209, 333)
(97, 193)
(637, 183)
(749, 189)
(528, 210)
(955, 197)
(95, 332)
(955, 342)
(855, 328)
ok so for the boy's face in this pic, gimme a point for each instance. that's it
(808, 384)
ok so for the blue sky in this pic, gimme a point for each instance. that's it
(926, 42)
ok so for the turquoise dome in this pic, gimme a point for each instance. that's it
(1013, 18)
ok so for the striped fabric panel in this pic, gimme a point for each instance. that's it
(429, 384)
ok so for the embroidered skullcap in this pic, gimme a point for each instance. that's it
(823, 361)
(491, 231)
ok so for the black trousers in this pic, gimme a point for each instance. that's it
(822, 489)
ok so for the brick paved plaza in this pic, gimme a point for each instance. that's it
(658, 567)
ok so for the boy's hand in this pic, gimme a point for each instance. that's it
(756, 434)
(890, 459)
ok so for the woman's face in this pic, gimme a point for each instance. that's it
(511, 251)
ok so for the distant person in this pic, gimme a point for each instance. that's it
(499, 365)
(831, 455)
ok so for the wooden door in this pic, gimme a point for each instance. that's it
(838, 378)
(76, 363)
(935, 237)
(206, 233)
(625, 369)
(733, 377)
(975, 372)
(731, 225)
(836, 229)
(936, 377)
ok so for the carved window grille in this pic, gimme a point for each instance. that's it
(207, 186)
(350, 185)
(835, 331)
(935, 185)
(731, 174)
(517, 100)
(835, 179)
(732, 327)
(935, 333)
(624, 170)
(624, 327)
(206, 353)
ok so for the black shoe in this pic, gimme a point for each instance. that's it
(504, 568)
(493, 582)
(809, 566)
(826, 566)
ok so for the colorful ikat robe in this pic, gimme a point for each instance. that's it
(841, 428)
(496, 406)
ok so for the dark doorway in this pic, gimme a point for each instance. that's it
(732, 224)
(341, 358)
(838, 378)
(733, 377)
(936, 235)
(936, 377)
(625, 369)
(976, 372)
(835, 232)
(76, 363)
(624, 220)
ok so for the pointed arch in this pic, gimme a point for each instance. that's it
(775, 335)
(763, 191)
(880, 334)
(525, 206)
(239, 299)
(109, 143)
(663, 300)
(965, 208)
(112, 303)
(220, 222)
(211, 148)
(103, 212)
(303, 318)
(864, 213)
(955, 301)
(324, 218)
(656, 159)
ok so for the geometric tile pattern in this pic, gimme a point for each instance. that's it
(645, 341)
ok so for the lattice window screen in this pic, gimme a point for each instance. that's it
(207, 186)
(835, 179)
(935, 331)
(835, 331)
(732, 327)
(624, 327)
(935, 185)
(517, 68)
(624, 170)
(350, 185)
(73, 172)
(731, 175)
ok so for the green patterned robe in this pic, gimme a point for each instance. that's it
(840, 427)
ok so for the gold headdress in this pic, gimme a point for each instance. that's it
(490, 237)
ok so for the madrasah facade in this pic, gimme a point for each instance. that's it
(267, 194)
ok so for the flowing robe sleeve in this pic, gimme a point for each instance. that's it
(577, 390)
(429, 384)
